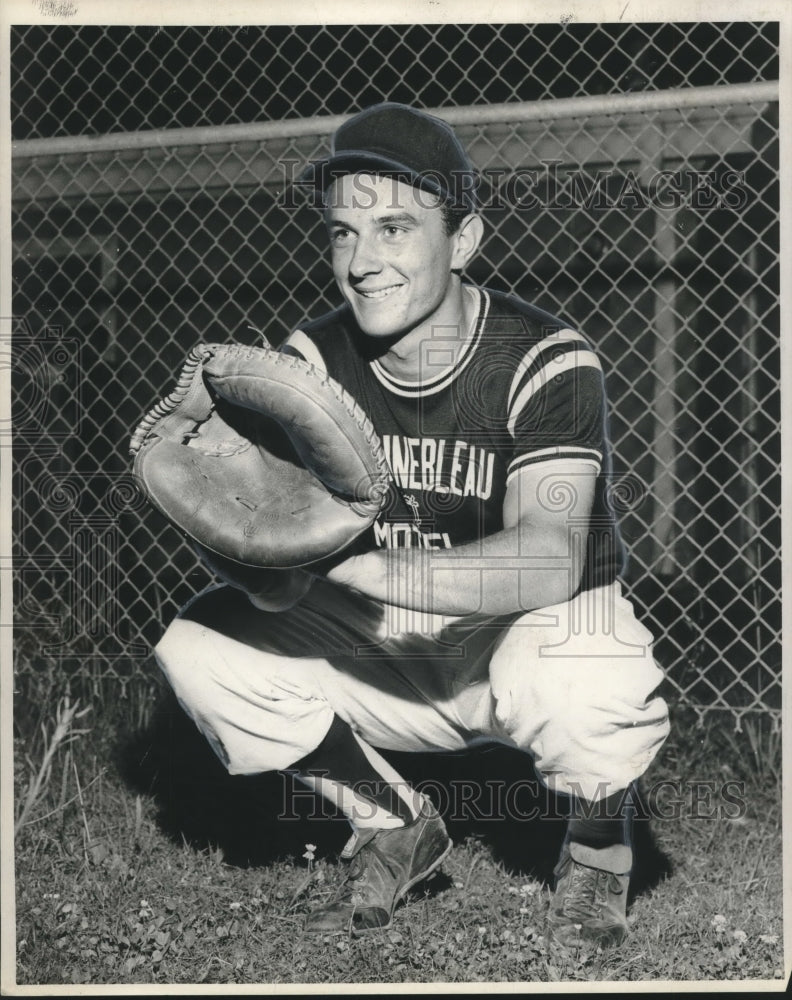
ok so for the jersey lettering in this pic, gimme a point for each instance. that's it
(440, 466)
(409, 536)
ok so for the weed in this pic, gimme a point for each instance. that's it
(763, 737)
(62, 734)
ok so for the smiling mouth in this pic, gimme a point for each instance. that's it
(377, 293)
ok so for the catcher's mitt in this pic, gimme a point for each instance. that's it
(261, 458)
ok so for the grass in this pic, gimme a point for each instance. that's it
(141, 861)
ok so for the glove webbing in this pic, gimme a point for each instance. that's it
(195, 359)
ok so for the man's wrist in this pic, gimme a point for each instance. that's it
(366, 572)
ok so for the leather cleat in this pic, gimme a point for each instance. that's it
(589, 903)
(383, 866)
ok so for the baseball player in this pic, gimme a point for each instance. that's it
(484, 602)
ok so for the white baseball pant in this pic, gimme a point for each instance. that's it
(572, 684)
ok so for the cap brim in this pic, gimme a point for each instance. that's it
(322, 173)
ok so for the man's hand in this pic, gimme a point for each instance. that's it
(267, 589)
(284, 589)
(261, 457)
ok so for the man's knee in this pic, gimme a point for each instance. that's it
(259, 711)
(176, 653)
(586, 720)
(171, 650)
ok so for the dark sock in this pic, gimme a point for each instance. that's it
(602, 823)
(339, 757)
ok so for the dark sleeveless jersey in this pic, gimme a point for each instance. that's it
(523, 390)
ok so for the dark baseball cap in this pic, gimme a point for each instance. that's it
(400, 141)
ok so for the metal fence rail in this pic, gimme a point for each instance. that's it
(649, 220)
(99, 79)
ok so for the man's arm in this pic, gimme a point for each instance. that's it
(532, 563)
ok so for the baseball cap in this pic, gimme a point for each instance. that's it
(401, 141)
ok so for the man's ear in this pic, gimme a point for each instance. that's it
(466, 241)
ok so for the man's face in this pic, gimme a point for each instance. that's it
(390, 253)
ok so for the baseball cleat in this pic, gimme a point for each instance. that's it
(590, 898)
(383, 866)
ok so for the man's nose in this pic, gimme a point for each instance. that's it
(365, 257)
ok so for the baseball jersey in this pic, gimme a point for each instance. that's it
(521, 389)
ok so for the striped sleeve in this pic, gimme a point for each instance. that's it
(556, 403)
(300, 345)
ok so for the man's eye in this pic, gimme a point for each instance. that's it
(393, 230)
(340, 237)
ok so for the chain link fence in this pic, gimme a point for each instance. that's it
(648, 219)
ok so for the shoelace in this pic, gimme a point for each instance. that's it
(588, 890)
(358, 867)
